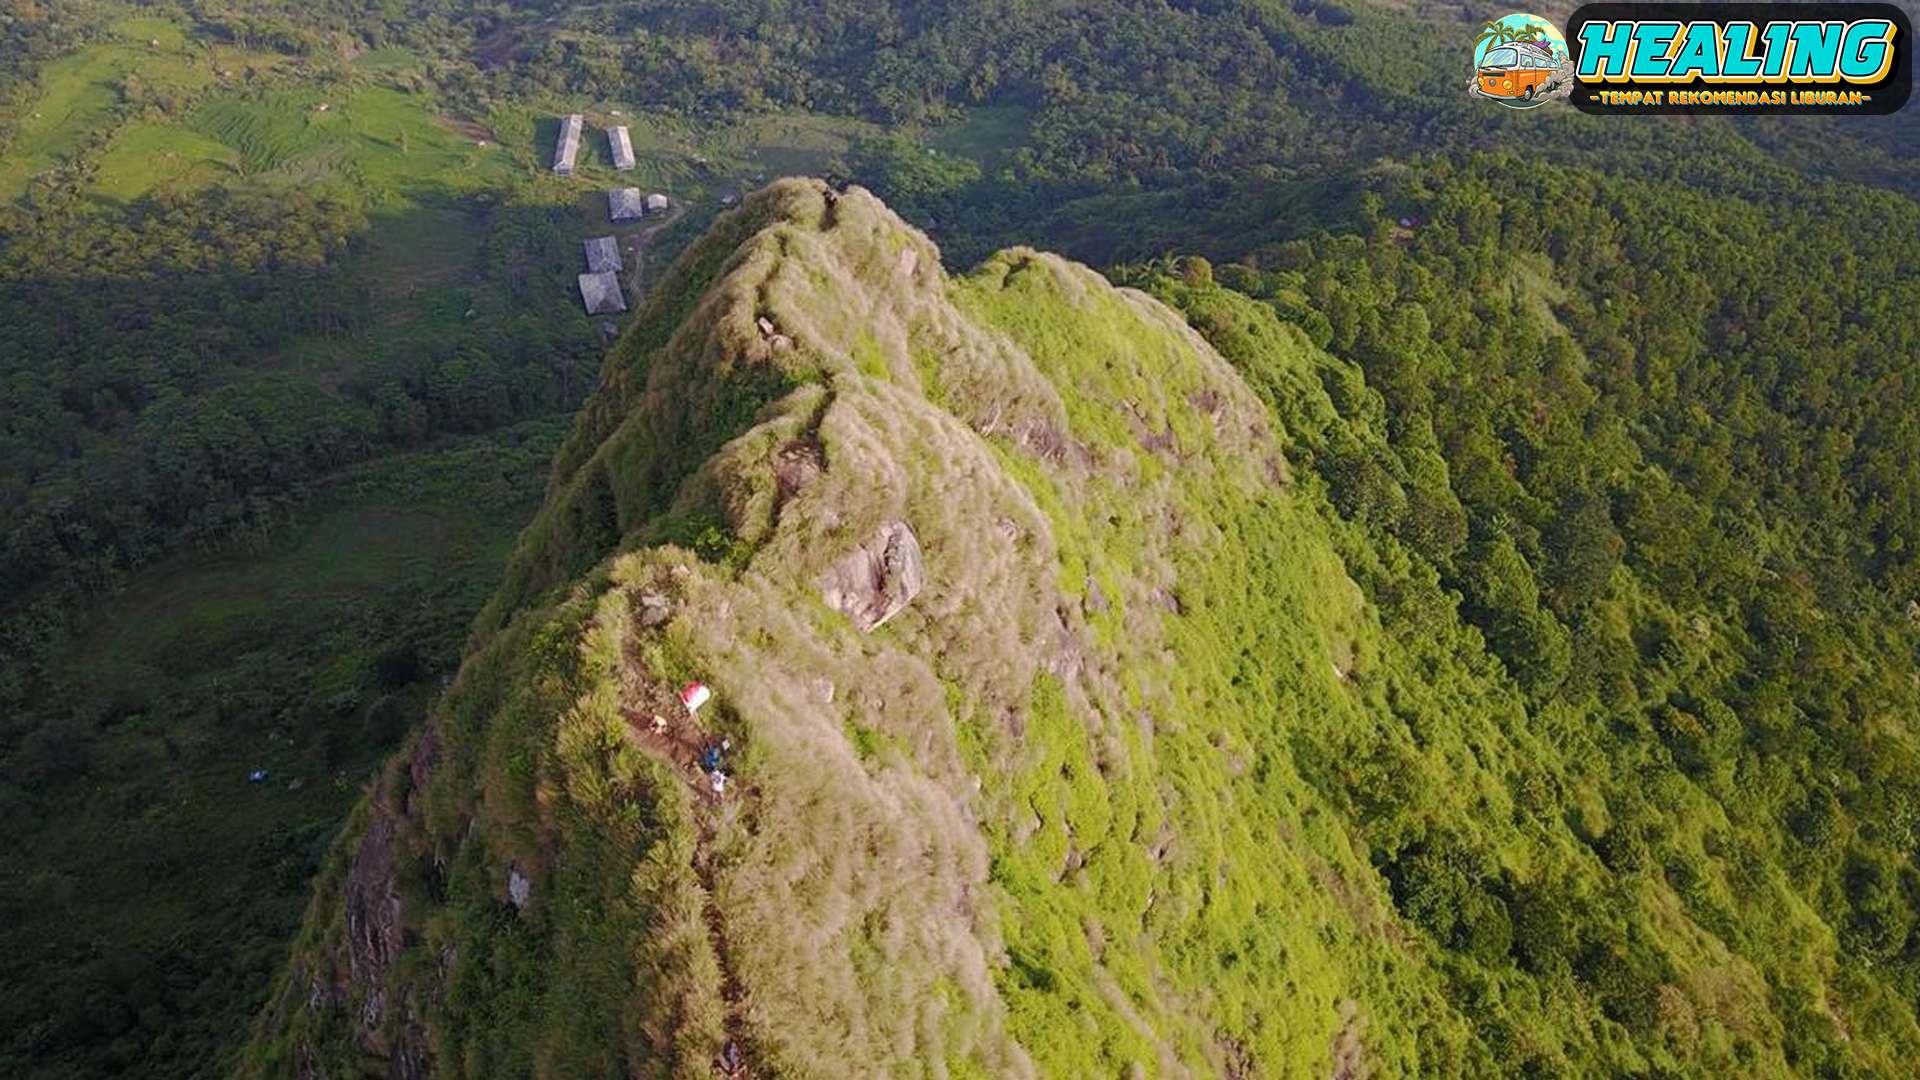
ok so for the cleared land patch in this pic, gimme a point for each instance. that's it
(83, 94)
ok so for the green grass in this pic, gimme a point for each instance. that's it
(266, 134)
(706, 160)
(689, 160)
(984, 134)
(1122, 951)
(796, 144)
(143, 30)
(364, 138)
(175, 618)
(1233, 916)
(410, 257)
(390, 58)
(373, 139)
(80, 98)
(145, 157)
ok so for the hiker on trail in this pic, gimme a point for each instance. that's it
(730, 1058)
(710, 758)
(719, 784)
(659, 724)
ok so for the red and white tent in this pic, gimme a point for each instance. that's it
(694, 695)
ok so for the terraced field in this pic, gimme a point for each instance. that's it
(84, 96)
(144, 158)
(376, 138)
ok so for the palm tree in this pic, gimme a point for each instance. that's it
(1492, 34)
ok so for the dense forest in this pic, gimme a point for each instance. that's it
(1686, 539)
(139, 419)
(1637, 395)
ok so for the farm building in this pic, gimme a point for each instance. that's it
(625, 204)
(569, 145)
(656, 202)
(601, 293)
(622, 147)
(603, 255)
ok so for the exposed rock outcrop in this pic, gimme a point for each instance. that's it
(882, 577)
(373, 919)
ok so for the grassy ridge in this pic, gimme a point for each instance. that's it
(1103, 849)
(1176, 767)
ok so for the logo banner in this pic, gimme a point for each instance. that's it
(1740, 58)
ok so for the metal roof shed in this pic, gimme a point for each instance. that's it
(603, 255)
(622, 147)
(601, 293)
(568, 147)
(625, 204)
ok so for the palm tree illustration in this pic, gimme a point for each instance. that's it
(1493, 34)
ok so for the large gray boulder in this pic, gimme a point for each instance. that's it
(879, 578)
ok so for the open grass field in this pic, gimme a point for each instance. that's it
(983, 134)
(148, 157)
(365, 138)
(418, 260)
(693, 159)
(178, 617)
(375, 140)
(392, 58)
(83, 95)
(793, 144)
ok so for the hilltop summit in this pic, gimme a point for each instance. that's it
(943, 795)
(1056, 724)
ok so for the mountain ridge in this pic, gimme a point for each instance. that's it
(1150, 763)
(1006, 627)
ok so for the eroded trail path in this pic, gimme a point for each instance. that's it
(634, 247)
(679, 743)
(730, 991)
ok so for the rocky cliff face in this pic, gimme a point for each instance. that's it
(1010, 615)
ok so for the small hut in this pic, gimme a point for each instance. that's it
(656, 203)
(625, 204)
(622, 148)
(569, 145)
(603, 255)
(601, 293)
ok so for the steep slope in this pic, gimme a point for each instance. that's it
(1015, 827)
(1054, 714)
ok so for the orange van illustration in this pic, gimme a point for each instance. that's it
(1521, 61)
(1519, 69)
